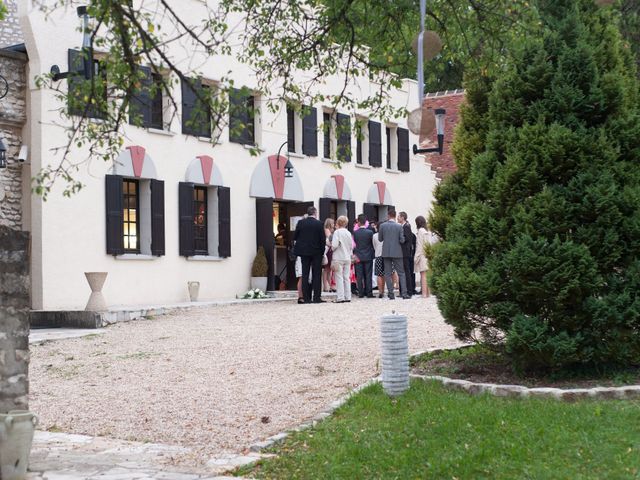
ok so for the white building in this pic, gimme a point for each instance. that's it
(176, 208)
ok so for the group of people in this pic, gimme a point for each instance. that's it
(389, 250)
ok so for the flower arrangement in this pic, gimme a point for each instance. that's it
(255, 293)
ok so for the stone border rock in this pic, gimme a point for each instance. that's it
(626, 392)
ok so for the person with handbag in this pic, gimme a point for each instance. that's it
(364, 252)
(341, 244)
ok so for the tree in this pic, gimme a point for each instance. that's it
(541, 223)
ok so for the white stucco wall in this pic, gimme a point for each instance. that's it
(69, 233)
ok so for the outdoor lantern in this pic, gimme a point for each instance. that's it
(3, 155)
(87, 50)
(288, 169)
(440, 113)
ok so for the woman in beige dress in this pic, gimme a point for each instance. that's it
(420, 259)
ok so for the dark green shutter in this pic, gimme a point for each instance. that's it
(157, 217)
(310, 133)
(114, 210)
(291, 129)
(196, 117)
(351, 214)
(375, 144)
(344, 137)
(185, 212)
(240, 119)
(370, 211)
(324, 208)
(403, 150)
(140, 107)
(224, 222)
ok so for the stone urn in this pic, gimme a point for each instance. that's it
(16, 436)
(96, 301)
(259, 282)
(395, 354)
(194, 290)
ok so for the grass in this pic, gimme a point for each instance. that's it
(433, 433)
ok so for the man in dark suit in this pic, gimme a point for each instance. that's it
(392, 237)
(310, 243)
(365, 253)
(408, 252)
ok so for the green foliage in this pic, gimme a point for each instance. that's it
(3, 10)
(260, 267)
(432, 433)
(541, 223)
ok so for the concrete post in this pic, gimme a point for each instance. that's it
(395, 354)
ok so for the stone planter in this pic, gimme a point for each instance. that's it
(395, 354)
(194, 290)
(259, 282)
(16, 435)
(96, 301)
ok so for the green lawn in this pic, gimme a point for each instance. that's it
(431, 432)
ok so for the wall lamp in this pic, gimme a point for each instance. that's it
(440, 113)
(288, 168)
(87, 50)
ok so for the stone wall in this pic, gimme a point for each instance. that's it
(14, 319)
(451, 101)
(12, 118)
(10, 32)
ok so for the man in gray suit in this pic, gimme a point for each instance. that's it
(392, 238)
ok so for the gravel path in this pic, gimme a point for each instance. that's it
(219, 378)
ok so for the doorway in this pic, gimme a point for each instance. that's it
(333, 208)
(275, 228)
(375, 212)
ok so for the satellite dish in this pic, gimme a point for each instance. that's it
(431, 42)
(422, 121)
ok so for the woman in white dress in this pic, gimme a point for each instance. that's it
(420, 260)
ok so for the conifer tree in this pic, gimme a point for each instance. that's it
(541, 223)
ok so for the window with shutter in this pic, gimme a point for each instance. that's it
(403, 150)
(241, 117)
(185, 209)
(196, 115)
(344, 137)
(200, 223)
(114, 211)
(224, 222)
(388, 134)
(157, 103)
(310, 132)
(131, 215)
(86, 97)
(375, 144)
(140, 106)
(157, 217)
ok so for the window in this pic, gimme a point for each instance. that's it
(327, 131)
(310, 131)
(200, 220)
(205, 220)
(81, 88)
(131, 217)
(196, 113)
(135, 215)
(242, 117)
(147, 103)
(392, 148)
(403, 150)
(343, 123)
(362, 141)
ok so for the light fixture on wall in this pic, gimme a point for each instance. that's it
(288, 168)
(87, 50)
(440, 113)
(3, 154)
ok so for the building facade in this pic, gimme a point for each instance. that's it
(174, 208)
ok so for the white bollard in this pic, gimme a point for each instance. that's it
(395, 354)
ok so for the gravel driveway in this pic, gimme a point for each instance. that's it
(219, 378)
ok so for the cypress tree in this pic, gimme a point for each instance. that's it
(541, 223)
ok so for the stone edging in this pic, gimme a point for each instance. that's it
(519, 391)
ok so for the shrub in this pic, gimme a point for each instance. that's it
(260, 267)
(541, 222)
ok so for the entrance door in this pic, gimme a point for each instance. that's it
(375, 212)
(332, 208)
(264, 235)
(294, 210)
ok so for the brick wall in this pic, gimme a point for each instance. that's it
(14, 319)
(12, 118)
(10, 32)
(444, 164)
